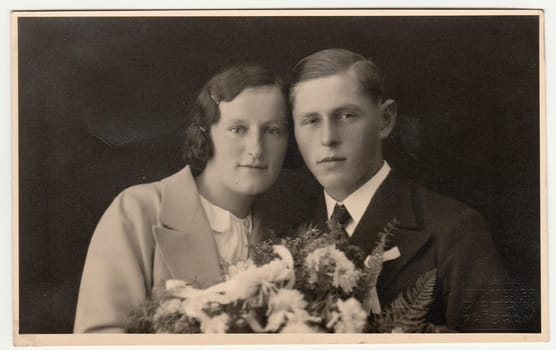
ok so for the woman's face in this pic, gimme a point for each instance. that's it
(250, 141)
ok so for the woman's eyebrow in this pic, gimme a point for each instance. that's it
(239, 120)
(233, 120)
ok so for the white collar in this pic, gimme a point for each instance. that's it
(358, 201)
(220, 220)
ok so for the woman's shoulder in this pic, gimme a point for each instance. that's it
(148, 198)
(140, 197)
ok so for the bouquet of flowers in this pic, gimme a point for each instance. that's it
(315, 282)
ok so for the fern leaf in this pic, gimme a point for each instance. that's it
(384, 236)
(373, 268)
(409, 310)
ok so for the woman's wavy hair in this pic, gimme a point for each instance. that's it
(225, 86)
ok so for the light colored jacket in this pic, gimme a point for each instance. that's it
(150, 233)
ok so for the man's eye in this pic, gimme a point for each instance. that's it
(346, 115)
(310, 121)
(238, 129)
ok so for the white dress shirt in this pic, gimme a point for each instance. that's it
(230, 232)
(357, 202)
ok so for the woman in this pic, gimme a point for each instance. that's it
(187, 227)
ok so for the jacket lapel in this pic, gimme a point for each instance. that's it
(393, 200)
(319, 215)
(183, 233)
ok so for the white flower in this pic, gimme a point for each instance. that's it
(217, 324)
(281, 269)
(174, 283)
(286, 304)
(168, 307)
(240, 266)
(287, 308)
(345, 275)
(193, 308)
(287, 300)
(275, 271)
(317, 258)
(245, 282)
(352, 317)
(275, 320)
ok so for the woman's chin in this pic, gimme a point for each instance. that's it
(253, 188)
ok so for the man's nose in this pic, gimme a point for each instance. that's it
(254, 145)
(329, 134)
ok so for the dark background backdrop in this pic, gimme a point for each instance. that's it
(103, 105)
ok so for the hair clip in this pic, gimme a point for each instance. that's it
(215, 99)
(201, 128)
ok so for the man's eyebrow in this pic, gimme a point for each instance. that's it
(342, 108)
(347, 106)
(310, 115)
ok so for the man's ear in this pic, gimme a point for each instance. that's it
(388, 121)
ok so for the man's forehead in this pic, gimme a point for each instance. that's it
(320, 91)
(343, 80)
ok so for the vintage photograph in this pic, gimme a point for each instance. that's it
(320, 173)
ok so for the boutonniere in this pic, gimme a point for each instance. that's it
(373, 267)
(373, 263)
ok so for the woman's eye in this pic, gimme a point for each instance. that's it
(238, 129)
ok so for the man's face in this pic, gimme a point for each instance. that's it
(339, 131)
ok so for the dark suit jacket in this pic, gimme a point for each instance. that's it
(434, 232)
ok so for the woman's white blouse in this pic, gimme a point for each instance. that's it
(230, 232)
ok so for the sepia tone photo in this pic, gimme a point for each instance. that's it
(325, 175)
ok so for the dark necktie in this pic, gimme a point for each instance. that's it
(341, 216)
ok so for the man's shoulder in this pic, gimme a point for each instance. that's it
(435, 201)
(437, 211)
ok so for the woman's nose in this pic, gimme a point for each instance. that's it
(254, 146)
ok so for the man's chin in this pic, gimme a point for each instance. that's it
(332, 182)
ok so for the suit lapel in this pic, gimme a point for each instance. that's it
(393, 200)
(410, 243)
(319, 215)
(183, 233)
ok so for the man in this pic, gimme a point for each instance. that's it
(341, 119)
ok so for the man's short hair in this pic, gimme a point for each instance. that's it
(335, 61)
(225, 86)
